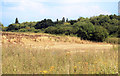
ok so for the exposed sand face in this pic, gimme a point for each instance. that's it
(72, 44)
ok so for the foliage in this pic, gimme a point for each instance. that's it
(13, 27)
(44, 24)
(63, 19)
(90, 32)
(95, 28)
(111, 29)
(66, 23)
(72, 21)
(100, 33)
(16, 21)
(23, 30)
(67, 20)
(65, 29)
(86, 30)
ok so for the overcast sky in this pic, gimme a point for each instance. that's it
(36, 10)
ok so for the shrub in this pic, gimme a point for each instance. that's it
(86, 30)
(36, 31)
(100, 34)
(51, 30)
(23, 30)
(13, 27)
(44, 24)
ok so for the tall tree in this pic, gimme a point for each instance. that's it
(67, 20)
(16, 21)
(57, 20)
(63, 19)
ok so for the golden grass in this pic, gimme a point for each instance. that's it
(113, 40)
(20, 60)
(44, 58)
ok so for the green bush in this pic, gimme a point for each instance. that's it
(86, 30)
(67, 30)
(51, 30)
(13, 27)
(100, 34)
(23, 30)
(36, 31)
(90, 32)
(44, 24)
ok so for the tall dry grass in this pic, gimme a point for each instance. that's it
(113, 40)
(18, 59)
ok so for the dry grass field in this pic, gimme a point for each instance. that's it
(39, 53)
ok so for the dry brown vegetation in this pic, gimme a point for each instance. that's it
(44, 53)
(51, 41)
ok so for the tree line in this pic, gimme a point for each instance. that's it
(96, 28)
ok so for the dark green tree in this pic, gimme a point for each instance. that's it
(16, 21)
(57, 20)
(100, 34)
(67, 20)
(63, 19)
(13, 27)
(72, 21)
(44, 24)
(86, 30)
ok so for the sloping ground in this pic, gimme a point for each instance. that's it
(39, 37)
(47, 41)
